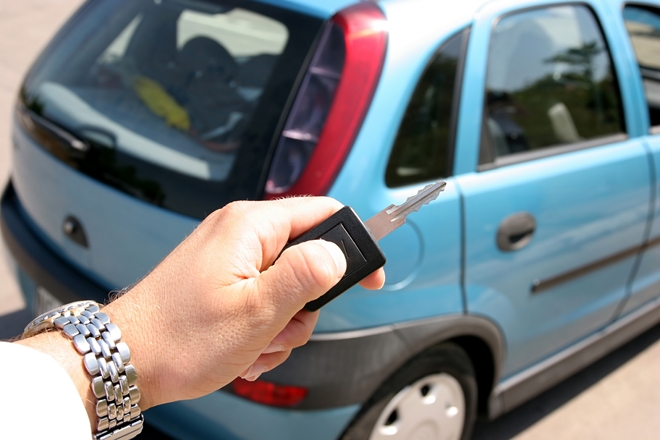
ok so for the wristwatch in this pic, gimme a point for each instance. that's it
(106, 359)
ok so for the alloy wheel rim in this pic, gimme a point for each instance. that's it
(432, 408)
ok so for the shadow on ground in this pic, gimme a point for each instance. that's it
(507, 426)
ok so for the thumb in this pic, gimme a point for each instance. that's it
(302, 273)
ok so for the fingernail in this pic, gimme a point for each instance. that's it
(337, 255)
(273, 348)
(254, 372)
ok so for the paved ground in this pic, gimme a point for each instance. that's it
(25, 26)
(617, 398)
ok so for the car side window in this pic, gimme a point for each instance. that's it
(643, 24)
(550, 82)
(424, 144)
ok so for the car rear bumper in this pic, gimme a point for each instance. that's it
(224, 416)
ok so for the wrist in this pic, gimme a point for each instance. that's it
(98, 362)
(133, 319)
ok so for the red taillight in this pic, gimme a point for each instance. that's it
(320, 129)
(269, 393)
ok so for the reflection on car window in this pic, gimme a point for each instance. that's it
(195, 87)
(549, 82)
(421, 150)
(643, 24)
(243, 33)
(116, 50)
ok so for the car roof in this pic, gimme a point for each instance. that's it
(319, 8)
(326, 8)
(435, 7)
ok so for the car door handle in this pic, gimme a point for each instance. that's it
(516, 231)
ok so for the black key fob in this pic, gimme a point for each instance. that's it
(363, 256)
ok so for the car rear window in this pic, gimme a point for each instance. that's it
(175, 102)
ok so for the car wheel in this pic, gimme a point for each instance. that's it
(433, 396)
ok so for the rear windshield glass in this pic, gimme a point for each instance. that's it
(175, 101)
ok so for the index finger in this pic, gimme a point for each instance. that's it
(303, 213)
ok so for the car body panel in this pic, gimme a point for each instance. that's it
(128, 229)
(646, 283)
(427, 280)
(425, 277)
(520, 387)
(608, 213)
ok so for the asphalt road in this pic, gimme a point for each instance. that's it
(616, 398)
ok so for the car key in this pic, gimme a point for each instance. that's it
(359, 241)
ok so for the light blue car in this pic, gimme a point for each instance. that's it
(143, 116)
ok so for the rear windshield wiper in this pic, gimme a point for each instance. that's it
(53, 129)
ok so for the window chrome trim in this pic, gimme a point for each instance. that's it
(551, 151)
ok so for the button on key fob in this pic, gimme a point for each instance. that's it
(359, 240)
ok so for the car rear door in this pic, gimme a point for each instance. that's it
(557, 209)
(642, 22)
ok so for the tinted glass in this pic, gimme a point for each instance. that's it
(177, 100)
(422, 149)
(549, 82)
(643, 24)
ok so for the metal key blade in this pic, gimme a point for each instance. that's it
(394, 216)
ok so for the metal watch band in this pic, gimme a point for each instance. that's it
(106, 359)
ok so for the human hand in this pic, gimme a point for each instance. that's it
(220, 306)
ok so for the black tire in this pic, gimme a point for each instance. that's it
(444, 359)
